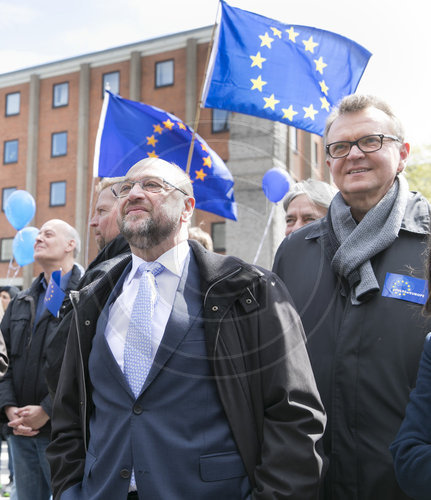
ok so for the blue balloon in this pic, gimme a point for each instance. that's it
(275, 184)
(23, 245)
(20, 208)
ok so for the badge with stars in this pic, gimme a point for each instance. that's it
(399, 286)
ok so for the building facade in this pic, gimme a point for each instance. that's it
(49, 116)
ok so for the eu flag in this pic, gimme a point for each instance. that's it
(130, 131)
(54, 295)
(287, 73)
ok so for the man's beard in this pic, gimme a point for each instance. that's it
(147, 233)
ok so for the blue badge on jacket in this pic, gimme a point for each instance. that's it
(398, 286)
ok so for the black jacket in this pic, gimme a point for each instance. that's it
(256, 349)
(24, 382)
(365, 358)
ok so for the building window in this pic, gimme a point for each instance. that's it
(111, 82)
(60, 95)
(13, 102)
(218, 235)
(6, 252)
(6, 192)
(293, 135)
(57, 194)
(10, 151)
(164, 73)
(220, 120)
(59, 144)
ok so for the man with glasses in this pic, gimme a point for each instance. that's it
(185, 373)
(356, 278)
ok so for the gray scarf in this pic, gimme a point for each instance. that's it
(355, 244)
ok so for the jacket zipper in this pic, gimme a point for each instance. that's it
(74, 299)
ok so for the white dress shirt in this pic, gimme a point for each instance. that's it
(167, 283)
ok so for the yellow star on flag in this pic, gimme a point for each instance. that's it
(325, 104)
(310, 45)
(266, 40)
(208, 162)
(292, 34)
(258, 83)
(320, 65)
(158, 128)
(257, 60)
(152, 154)
(152, 141)
(276, 32)
(289, 113)
(200, 174)
(323, 87)
(309, 112)
(168, 124)
(182, 126)
(270, 102)
(204, 148)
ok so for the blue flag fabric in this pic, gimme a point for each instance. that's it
(287, 73)
(130, 131)
(399, 286)
(54, 295)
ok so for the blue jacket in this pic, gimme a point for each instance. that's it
(412, 447)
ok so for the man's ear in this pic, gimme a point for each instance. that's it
(404, 154)
(189, 206)
(71, 245)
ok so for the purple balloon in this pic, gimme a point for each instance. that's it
(275, 184)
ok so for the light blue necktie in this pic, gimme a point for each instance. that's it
(138, 345)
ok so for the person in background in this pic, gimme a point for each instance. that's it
(185, 373)
(306, 202)
(198, 234)
(29, 322)
(111, 245)
(353, 277)
(411, 448)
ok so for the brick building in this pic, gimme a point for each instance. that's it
(49, 116)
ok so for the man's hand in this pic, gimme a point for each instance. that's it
(26, 421)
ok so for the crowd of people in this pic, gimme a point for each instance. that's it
(168, 371)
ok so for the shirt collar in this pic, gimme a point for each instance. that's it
(173, 260)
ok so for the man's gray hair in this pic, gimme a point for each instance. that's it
(357, 102)
(74, 235)
(107, 182)
(318, 192)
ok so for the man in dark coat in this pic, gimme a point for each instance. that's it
(357, 279)
(226, 407)
(27, 326)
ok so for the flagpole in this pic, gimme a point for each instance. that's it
(199, 102)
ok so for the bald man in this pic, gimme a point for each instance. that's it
(27, 327)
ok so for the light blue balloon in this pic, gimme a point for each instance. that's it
(275, 184)
(23, 245)
(20, 208)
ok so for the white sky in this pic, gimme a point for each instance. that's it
(396, 32)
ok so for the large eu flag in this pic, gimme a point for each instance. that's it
(130, 131)
(287, 73)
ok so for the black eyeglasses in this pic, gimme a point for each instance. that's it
(367, 144)
(149, 184)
